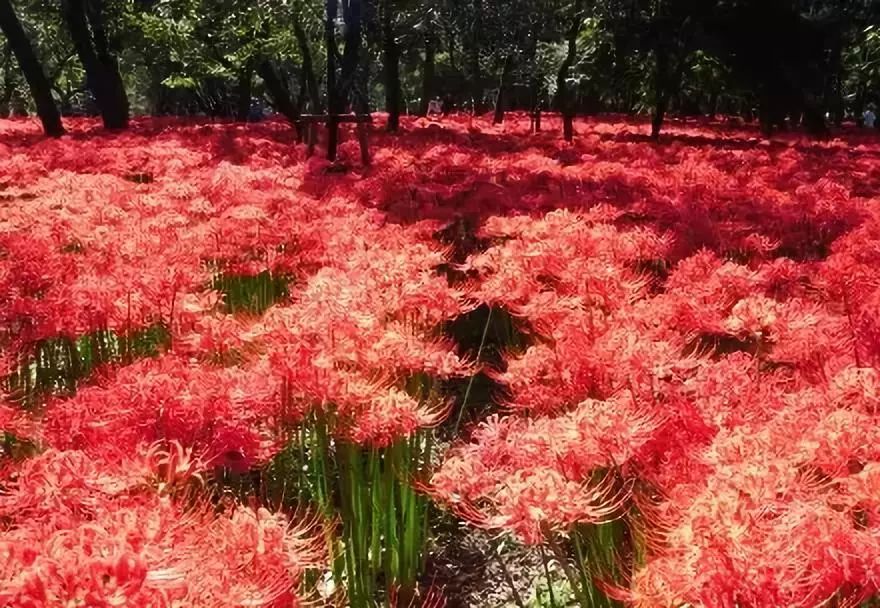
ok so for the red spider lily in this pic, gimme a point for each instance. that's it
(84, 535)
(526, 474)
(224, 414)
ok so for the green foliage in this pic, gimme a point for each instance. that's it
(555, 593)
(58, 365)
(862, 62)
(377, 554)
(198, 55)
(252, 294)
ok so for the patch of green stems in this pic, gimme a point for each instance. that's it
(251, 294)
(377, 550)
(58, 365)
(596, 554)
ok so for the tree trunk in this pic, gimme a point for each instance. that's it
(838, 107)
(32, 70)
(333, 96)
(310, 80)
(8, 81)
(353, 77)
(535, 82)
(392, 68)
(279, 94)
(661, 89)
(859, 102)
(89, 37)
(450, 46)
(244, 92)
(474, 58)
(502, 86)
(564, 95)
(95, 13)
(352, 91)
(428, 74)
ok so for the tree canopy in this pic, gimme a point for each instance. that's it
(782, 61)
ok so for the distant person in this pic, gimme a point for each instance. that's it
(435, 107)
(869, 119)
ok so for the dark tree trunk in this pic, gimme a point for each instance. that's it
(86, 24)
(279, 94)
(536, 81)
(564, 94)
(832, 73)
(814, 117)
(661, 89)
(310, 80)
(765, 117)
(244, 92)
(450, 46)
(859, 102)
(537, 102)
(392, 68)
(861, 90)
(502, 87)
(156, 93)
(352, 92)
(354, 86)
(428, 74)
(33, 72)
(8, 81)
(474, 58)
(95, 11)
(334, 103)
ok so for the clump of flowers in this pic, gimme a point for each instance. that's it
(99, 532)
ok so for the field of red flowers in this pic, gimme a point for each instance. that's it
(235, 376)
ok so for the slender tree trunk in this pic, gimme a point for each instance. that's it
(661, 90)
(95, 13)
(102, 71)
(428, 74)
(502, 87)
(536, 103)
(535, 81)
(279, 94)
(156, 92)
(765, 115)
(859, 102)
(352, 91)
(564, 94)
(310, 80)
(837, 104)
(474, 58)
(244, 92)
(32, 70)
(8, 81)
(392, 68)
(333, 95)
(450, 47)
(353, 77)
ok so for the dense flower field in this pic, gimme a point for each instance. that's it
(234, 376)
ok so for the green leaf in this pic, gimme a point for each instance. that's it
(176, 81)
